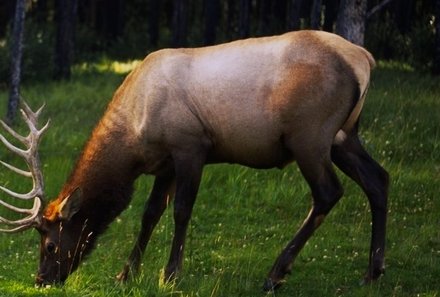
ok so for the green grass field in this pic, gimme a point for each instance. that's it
(244, 217)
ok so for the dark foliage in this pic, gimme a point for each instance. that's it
(436, 62)
(402, 30)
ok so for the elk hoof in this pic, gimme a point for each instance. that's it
(271, 285)
(371, 276)
(170, 276)
(123, 275)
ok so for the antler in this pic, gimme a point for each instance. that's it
(30, 155)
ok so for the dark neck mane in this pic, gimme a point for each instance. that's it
(105, 173)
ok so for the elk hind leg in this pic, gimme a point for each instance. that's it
(356, 163)
(326, 191)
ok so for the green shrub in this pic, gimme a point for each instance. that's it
(386, 42)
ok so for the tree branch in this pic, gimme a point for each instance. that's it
(377, 8)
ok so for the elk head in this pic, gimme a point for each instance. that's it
(62, 243)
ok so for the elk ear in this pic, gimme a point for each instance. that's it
(70, 205)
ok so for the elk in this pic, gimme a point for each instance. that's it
(260, 102)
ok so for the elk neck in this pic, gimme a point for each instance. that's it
(105, 172)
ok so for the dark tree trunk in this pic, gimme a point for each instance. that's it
(265, 17)
(305, 13)
(154, 9)
(244, 20)
(230, 26)
(279, 15)
(107, 18)
(351, 20)
(315, 15)
(114, 19)
(330, 14)
(395, 11)
(16, 54)
(84, 13)
(64, 45)
(294, 20)
(180, 22)
(41, 11)
(211, 17)
(436, 63)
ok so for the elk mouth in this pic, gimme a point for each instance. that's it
(43, 280)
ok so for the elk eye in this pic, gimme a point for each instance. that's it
(50, 247)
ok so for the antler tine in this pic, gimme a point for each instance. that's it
(19, 210)
(42, 130)
(29, 113)
(31, 194)
(30, 155)
(31, 116)
(12, 148)
(26, 107)
(16, 170)
(17, 229)
(31, 119)
(13, 133)
(24, 223)
(37, 113)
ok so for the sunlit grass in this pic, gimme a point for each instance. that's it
(244, 217)
(105, 65)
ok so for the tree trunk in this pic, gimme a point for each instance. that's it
(243, 26)
(436, 62)
(265, 18)
(315, 15)
(154, 9)
(180, 20)
(64, 45)
(230, 25)
(331, 12)
(351, 20)
(293, 20)
(41, 12)
(211, 17)
(16, 54)
(279, 16)
(382, 5)
(113, 19)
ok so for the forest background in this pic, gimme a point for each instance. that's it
(60, 33)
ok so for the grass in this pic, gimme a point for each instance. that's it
(244, 217)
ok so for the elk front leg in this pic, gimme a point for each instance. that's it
(188, 168)
(160, 196)
(326, 191)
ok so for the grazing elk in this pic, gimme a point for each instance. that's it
(261, 102)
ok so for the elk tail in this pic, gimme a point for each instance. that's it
(353, 118)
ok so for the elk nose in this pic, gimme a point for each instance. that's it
(42, 280)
